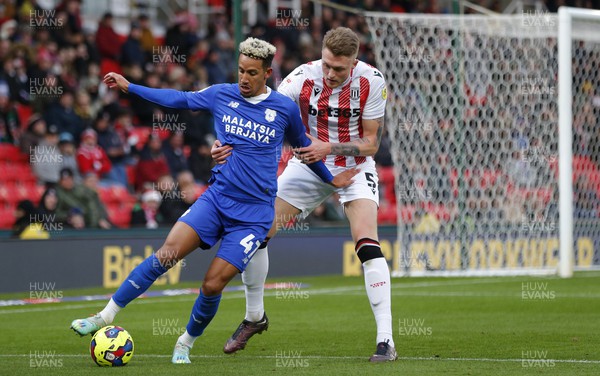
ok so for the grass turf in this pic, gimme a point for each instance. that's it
(449, 326)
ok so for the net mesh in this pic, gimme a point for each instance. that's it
(472, 120)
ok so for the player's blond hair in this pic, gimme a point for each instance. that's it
(341, 41)
(258, 49)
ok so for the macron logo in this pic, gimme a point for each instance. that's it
(233, 104)
(133, 283)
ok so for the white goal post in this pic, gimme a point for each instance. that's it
(493, 125)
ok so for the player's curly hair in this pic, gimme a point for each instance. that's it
(258, 49)
(341, 41)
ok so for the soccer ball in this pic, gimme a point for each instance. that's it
(111, 346)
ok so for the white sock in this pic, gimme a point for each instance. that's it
(254, 281)
(109, 312)
(187, 339)
(377, 283)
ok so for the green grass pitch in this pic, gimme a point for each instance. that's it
(449, 326)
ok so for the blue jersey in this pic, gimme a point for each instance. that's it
(255, 128)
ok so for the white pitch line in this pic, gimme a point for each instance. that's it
(237, 295)
(409, 358)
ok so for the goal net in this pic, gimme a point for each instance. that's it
(473, 123)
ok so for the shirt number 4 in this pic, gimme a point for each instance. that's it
(250, 246)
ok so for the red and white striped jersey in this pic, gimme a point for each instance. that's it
(336, 115)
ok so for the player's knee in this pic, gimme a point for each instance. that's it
(367, 249)
(168, 255)
(212, 287)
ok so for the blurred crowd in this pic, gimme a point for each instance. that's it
(86, 138)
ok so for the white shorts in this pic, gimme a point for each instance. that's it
(299, 186)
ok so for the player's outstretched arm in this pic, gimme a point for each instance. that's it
(367, 145)
(164, 97)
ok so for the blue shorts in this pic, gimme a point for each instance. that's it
(242, 227)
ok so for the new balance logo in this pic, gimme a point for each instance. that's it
(233, 104)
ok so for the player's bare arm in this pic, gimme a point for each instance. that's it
(344, 178)
(113, 80)
(367, 145)
(220, 152)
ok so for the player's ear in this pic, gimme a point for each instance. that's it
(268, 72)
(355, 62)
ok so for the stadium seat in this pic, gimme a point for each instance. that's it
(119, 215)
(24, 113)
(7, 217)
(142, 134)
(387, 214)
(109, 65)
(8, 152)
(115, 194)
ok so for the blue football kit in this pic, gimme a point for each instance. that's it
(238, 207)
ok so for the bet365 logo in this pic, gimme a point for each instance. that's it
(335, 112)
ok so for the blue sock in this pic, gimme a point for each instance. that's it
(138, 281)
(205, 308)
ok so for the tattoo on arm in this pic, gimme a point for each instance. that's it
(380, 122)
(353, 148)
(345, 149)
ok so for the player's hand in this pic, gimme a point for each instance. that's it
(314, 152)
(113, 80)
(219, 153)
(344, 178)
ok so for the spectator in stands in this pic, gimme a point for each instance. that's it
(147, 39)
(46, 159)
(107, 39)
(173, 151)
(587, 201)
(179, 36)
(15, 70)
(63, 115)
(79, 206)
(216, 68)
(328, 211)
(152, 164)
(131, 51)
(90, 156)
(36, 130)
(47, 208)
(172, 205)
(83, 108)
(74, 24)
(185, 179)
(144, 110)
(66, 147)
(201, 162)
(146, 213)
(112, 144)
(9, 119)
(27, 222)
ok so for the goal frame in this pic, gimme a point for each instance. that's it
(565, 267)
(566, 15)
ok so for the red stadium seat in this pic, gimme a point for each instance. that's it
(7, 217)
(119, 215)
(387, 214)
(8, 151)
(24, 113)
(142, 134)
(109, 65)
